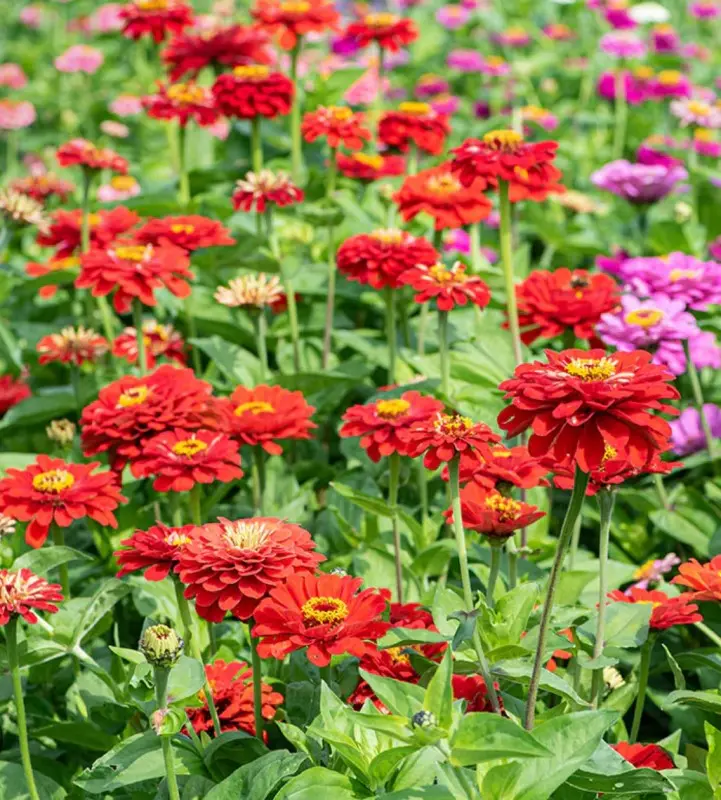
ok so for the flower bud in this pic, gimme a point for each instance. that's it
(424, 719)
(61, 431)
(682, 212)
(161, 646)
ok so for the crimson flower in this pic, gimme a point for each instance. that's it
(23, 592)
(414, 123)
(156, 551)
(191, 232)
(703, 579)
(512, 467)
(364, 167)
(41, 187)
(473, 689)
(328, 614)
(449, 287)
(72, 346)
(82, 153)
(156, 18)
(649, 756)
(12, 391)
(582, 401)
(387, 30)
(64, 232)
(339, 125)
(252, 91)
(292, 19)
(159, 340)
(263, 188)
(51, 491)
(183, 102)
(446, 436)
(667, 611)
(231, 566)
(494, 515)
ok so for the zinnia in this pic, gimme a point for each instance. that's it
(666, 611)
(447, 436)
(191, 232)
(644, 756)
(703, 579)
(72, 346)
(81, 152)
(161, 341)
(183, 102)
(23, 592)
(253, 91)
(388, 31)
(293, 19)
(155, 551)
(493, 514)
(339, 125)
(414, 124)
(506, 467)
(364, 167)
(258, 190)
(156, 18)
(64, 232)
(449, 287)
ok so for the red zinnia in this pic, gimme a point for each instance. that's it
(445, 436)
(414, 123)
(473, 689)
(232, 688)
(378, 423)
(339, 125)
(156, 18)
(512, 466)
(12, 391)
(266, 414)
(504, 156)
(65, 229)
(328, 614)
(81, 152)
(704, 579)
(387, 30)
(450, 287)
(231, 566)
(51, 491)
(135, 271)
(263, 188)
(252, 91)
(667, 611)
(190, 232)
(493, 514)
(40, 187)
(292, 19)
(182, 101)
(584, 400)
(551, 303)
(380, 258)
(159, 340)
(156, 551)
(131, 410)
(180, 459)
(23, 591)
(35, 269)
(364, 167)
(649, 756)
(439, 193)
(72, 346)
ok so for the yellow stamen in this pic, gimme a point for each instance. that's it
(643, 73)
(133, 397)
(453, 425)
(391, 409)
(506, 508)
(398, 656)
(669, 77)
(644, 317)
(380, 20)
(185, 93)
(123, 183)
(340, 113)
(182, 228)
(443, 184)
(246, 534)
(189, 447)
(699, 108)
(295, 7)
(441, 274)
(324, 610)
(254, 407)
(591, 369)
(175, 539)
(388, 235)
(680, 274)
(415, 109)
(375, 162)
(133, 252)
(151, 5)
(252, 72)
(505, 140)
(53, 481)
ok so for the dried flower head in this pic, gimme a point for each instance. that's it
(18, 209)
(7, 525)
(250, 290)
(61, 432)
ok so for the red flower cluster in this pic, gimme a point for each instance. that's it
(386, 30)
(161, 341)
(191, 232)
(667, 611)
(156, 551)
(82, 153)
(22, 592)
(449, 287)
(12, 391)
(704, 579)
(275, 188)
(365, 167)
(339, 125)
(182, 101)
(51, 491)
(231, 566)
(41, 187)
(446, 436)
(292, 19)
(72, 346)
(156, 18)
(381, 258)
(493, 514)
(512, 467)
(64, 232)
(414, 123)
(648, 756)
(253, 91)
(582, 401)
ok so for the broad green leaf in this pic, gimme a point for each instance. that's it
(259, 779)
(14, 787)
(39, 409)
(486, 737)
(519, 671)
(133, 656)
(402, 637)
(385, 762)
(98, 606)
(626, 625)
(713, 759)
(427, 793)
(709, 700)
(375, 505)
(418, 769)
(438, 698)
(43, 560)
(318, 782)
(231, 750)
(403, 699)
(186, 679)
(682, 530)
(83, 734)
(16, 460)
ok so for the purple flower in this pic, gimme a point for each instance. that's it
(636, 90)
(677, 276)
(715, 248)
(453, 17)
(671, 83)
(705, 9)
(458, 241)
(465, 60)
(648, 152)
(623, 44)
(619, 18)
(686, 432)
(445, 104)
(654, 570)
(665, 39)
(431, 85)
(613, 264)
(639, 183)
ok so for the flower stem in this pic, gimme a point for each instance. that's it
(183, 179)
(379, 89)
(443, 351)
(460, 534)
(512, 553)
(161, 675)
(256, 158)
(59, 541)
(699, 402)
(195, 504)
(575, 541)
(712, 635)
(257, 687)
(619, 135)
(391, 333)
(140, 336)
(394, 471)
(507, 263)
(258, 481)
(643, 670)
(330, 303)
(580, 483)
(75, 382)
(11, 641)
(496, 553)
(296, 147)
(289, 290)
(476, 255)
(261, 330)
(606, 501)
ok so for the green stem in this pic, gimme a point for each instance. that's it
(261, 331)
(330, 302)
(580, 483)
(699, 402)
(394, 471)
(443, 351)
(606, 500)
(183, 178)
(289, 290)
(195, 500)
(258, 481)
(643, 670)
(192, 332)
(661, 491)
(619, 135)
(161, 675)
(460, 534)
(423, 492)
(140, 336)
(712, 635)
(506, 236)
(296, 149)
(256, 145)
(496, 553)
(11, 641)
(379, 89)
(11, 154)
(476, 255)
(75, 382)
(422, 325)
(575, 541)
(391, 333)
(59, 541)
(512, 553)
(257, 687)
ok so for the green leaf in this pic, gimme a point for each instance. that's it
(403, 699)
(98, 606)
(186, 679)
(316, 783)
(438, 698)
(231, 750)
(626, 625)
(375, 505)
(709, 701)
(486, 737)
(133, 656)
(39, 409)
(259, 779)
(607, 772)
(678, 676)
(403, 637)
(418, 769)
(14, 787)
(682, 530)
(713, 759)
(519, 671)
(43, 560)
(83, 734)
(427, 793)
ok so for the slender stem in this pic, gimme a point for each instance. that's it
(606, 500)
(512, 553)
(619, 135)
(195, 500)
(192, 332)
(476, 255)
(261, 330)
(296, 144)
(183, 178)
(59, 541)
(394, 471)
(506, 235)
(422, 325)
(643, 670)
(574, 509)
(391, 333)
(289, 291)
(11, 641)
(423, 491)
(11, 153)
(412, 159)
(699, 402)
(140, 336)
(257, 687)
(460, 534)
(712, 635)
(75, 382)
(330, 302)
(256, 145)
(258, 481)
(443, 351)
(575, 541)
(161, 675)
(496, 553)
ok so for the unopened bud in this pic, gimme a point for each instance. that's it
(424, 719)
(156, 719)
(161, 646)
(682, 212)
(61, 431)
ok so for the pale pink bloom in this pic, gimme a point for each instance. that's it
(34, 164)
(120, 188)
(79, 58)
(16, 114)
(106, 18)
(126, 105)
(363, 92)
(116, 129)
(32, 16)
(219, 129)
(12, 76)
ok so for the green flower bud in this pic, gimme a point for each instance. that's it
(161, 646)
(424, 719)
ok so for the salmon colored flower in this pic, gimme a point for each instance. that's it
(416, 124)
(703, 579)
(64, 232)
(161, 341)
(183, 102)
(181, 459)
(580, 401)
(156, 18)
(53, 492)
(386, 30)
(12, 391)
(378, 423)
(440, 194)
(644, 756)
(155, 551)
(230, 566)
(328, 614)
(72, 346)
(23, 592)
(258, 190)
(42, 187)
(365, 167)
(293, 19)
(191, 232)
(382, 257)
(448, 286)
(252, 91)
(446, 436)
(339, 125)
(82, 153)
(492, 514)
(505, 467)
(667, 611)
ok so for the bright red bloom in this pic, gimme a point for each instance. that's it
(439, 193)
(258, 190)
(266, 414)
(704, 579)
(551, 303)
(473, 689)
(364, 167)
(40, 187)
(328, 614)
(387, 30)
(180, 459)
(191, 232)
(380, 258)
(505, 156)
(253, 91)
(494, 515)
(35, 269)
(232, 46)
(159, 340)
(130, 271)
(378, 423)
(649, 756)
(667, 611)
(512, 466)
(446, 436)
(23, 591)
(182, 101)
(12, 391)
(582, 401)
(156, 18)
(51, 491)
(232, 688)
(339, 125)
(448, 287)
(291, 19)
(65, 230)
(231, 566)
(82, 153)
(156, 551)
(72, 346)
(132, 410)
(414, 123)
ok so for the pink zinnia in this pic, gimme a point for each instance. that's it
(12, 76)
(106, 18)
(80, 58)
(16, 114)
(126, 105)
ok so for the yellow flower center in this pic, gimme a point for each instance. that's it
(251, 72)
(515, 31)
(175, 539)
(93, 220)
(452, 424)
(185, 93)
(663, 27)
(391, 409)
(699, 108)
(388, 235)
(375, 162)
(495, 61)
(644, 317)
(644, 569)
(506, 141)
(501, 452)
(63, 263)
(398, 656)
(340, 113)
(189, 447)
(295, 7)
(443, 184)
(415, 109)
(254, 407)
(441, 274)
(680, 274)
(324, 610)
(643, 73)
(182, 228)
(133, 397)
(151, 5)
(380, 20)
(246, 534)
(703, 135)
(609, 452)
(534, 112)
(559, 29)
(591, 369)
(53, 481)
(669, 77)
(132, 252)
(506, 508)
(123, 183)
